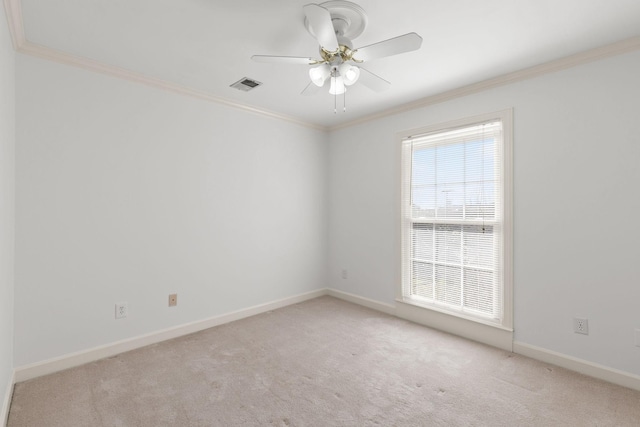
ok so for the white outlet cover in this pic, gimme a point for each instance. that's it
(581, 325)
(122, 309)
(637, 337)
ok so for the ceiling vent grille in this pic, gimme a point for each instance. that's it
(245, 84)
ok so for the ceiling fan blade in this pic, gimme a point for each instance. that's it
(372, 81)
(394, 46)
(319, 20)
(284, 59)
(310, 90)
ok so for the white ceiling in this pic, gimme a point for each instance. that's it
(206, 45)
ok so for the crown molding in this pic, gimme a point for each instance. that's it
(22, 45)
(121, 73)
(13, 10)
(617, 48)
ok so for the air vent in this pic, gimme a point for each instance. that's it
(246, 84)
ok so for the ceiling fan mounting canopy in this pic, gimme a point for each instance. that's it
(349, 20)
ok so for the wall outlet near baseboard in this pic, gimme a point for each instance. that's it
(122, 309)
(637, 337)
(173, 300)
(345, 274)
(581, 325)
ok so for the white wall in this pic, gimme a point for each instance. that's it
(129, 193)
(576, 177)
(7, 147)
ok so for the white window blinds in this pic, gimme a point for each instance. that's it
(452, 210)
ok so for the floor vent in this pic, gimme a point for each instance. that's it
(246, 84)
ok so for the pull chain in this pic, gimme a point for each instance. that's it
(344, 101)
(335, 96)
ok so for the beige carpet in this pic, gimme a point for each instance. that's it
(323, 362)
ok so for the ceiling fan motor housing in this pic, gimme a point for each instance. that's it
(343, 54)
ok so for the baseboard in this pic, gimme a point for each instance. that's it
(6, 402)
(591, 369)
(366, 302)
(491, 335)
(500, 338)
(50, 366)
(71, 360)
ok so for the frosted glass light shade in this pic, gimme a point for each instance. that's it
(319, 74)
(350, 73)
(337, 86)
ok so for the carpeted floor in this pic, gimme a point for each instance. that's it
(324, 362)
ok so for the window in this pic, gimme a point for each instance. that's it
(456, 219)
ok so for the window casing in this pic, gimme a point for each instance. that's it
(456, 225)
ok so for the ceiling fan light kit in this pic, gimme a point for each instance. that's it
(320, 74)
(334, 24)
(337, 85)
(350, 73)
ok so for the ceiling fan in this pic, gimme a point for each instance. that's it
(334, 24)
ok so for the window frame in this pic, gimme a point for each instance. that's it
(506, 118)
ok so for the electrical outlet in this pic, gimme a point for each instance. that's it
(173, 300)
(637, 337)
(122, 309)
(581, 325)
(345, 274)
